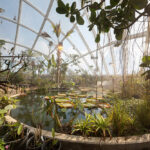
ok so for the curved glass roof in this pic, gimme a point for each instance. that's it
(23, 22)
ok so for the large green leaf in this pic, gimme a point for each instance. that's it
(93, 16)
(3, 111)
(72, 18)
(113, 3)
(61, 10)
(139, 4)
(53, 132)
(9, 107)
(97, 39)
(53, 61)
(1, 121)
(61, 4)
(2, 42)
(144, 65)
(79, 19)
(118, 33)
(146, 59)
(73, 7)
(57, 30)
(20, 128)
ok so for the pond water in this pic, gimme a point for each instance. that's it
(31, 111)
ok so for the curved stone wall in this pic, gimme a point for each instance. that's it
(72, 142)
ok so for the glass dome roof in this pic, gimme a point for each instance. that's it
(23, 22)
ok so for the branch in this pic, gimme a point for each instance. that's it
(17, 71)
(7, 69)
(91, 5)
(131, 23)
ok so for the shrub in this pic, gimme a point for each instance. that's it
(83, 126)
(100, 125)
(133, 86)
(121, 121)
(143, 114)
(95, 124)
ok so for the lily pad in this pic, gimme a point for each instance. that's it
(89, 105)
(46, 98)
(9, 107)
(65, 105)
(58, 100)
(71, 94)
(82, 96)
(92, 100)
(104, 105)
(62, 95)
(98, 98)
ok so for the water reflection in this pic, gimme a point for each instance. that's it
(30, 111)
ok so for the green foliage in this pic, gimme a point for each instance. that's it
(78, 105)
(83, 127)
(6, 104)
(54, 141)
(79, 19)
(100, 125)
(56, 29)
(2, 42)
(118, 15)
(121, 121)
(2, 144)
(95, 124)
(17, 78)
(20, 129)
(146, 65)
(97, 38)
(138, 4)
(143, 114)
(53, 132)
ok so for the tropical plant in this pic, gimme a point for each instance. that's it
(58, 46)
(54, 141)
(2, 144)
(121, 122)
(142, 114)
(100, 125)
(83, 126)
(146, 65)
(117, 15)
(6, 104)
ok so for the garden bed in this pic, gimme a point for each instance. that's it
(79, 142)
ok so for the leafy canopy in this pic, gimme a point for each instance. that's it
(118, 14)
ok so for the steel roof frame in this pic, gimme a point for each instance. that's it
(49, 20)
(130, 37)
(18, 21)
(138, 35)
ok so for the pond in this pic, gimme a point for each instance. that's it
(31, 111)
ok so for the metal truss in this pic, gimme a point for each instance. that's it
(18, 21)
(81, 56)
(113, 43)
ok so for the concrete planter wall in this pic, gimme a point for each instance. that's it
(72, 142)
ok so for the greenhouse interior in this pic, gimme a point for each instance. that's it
(74, 75)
